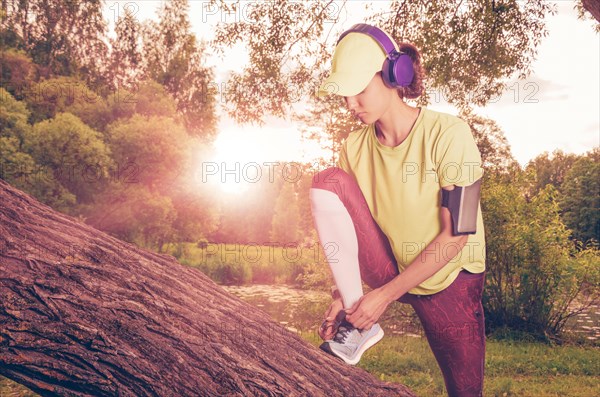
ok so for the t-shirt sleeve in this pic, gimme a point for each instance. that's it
(458, 160)
(342, 161)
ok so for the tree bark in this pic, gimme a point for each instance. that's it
(593, 6)
(85, 314)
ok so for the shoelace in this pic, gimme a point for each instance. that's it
(343, 332)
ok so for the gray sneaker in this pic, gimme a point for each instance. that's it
(350, 343)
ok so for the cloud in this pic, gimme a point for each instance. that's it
(593, 128)
(531, 90)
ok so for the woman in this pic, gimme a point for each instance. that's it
(401, 212)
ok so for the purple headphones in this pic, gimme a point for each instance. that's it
(398, 67)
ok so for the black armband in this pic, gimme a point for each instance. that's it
(463, 204)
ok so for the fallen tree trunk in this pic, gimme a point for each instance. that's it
(593, 6)
(85, 314)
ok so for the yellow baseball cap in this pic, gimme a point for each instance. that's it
(356, 59)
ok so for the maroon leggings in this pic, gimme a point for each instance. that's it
(452, 318)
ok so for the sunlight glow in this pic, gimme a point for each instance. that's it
(235, 156)
(240, 152)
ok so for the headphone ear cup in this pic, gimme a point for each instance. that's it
(403, 71)
(387, 72)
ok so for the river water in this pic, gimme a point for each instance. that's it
(303, 310)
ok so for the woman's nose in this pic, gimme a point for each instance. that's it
(351, 103)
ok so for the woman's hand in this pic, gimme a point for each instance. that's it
(365, 313)
(329, 328)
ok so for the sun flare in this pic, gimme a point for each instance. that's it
(240, 154)
(237, 155)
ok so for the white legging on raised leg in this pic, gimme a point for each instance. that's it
(338, 238)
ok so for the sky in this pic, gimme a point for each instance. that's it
(556, 107)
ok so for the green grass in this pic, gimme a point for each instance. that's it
(9, 388)
(238, 264)
(525, 369)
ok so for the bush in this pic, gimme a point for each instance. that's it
(234, 273)
(535, 274)
(244, 264)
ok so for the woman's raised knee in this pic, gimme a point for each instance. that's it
(329, 178)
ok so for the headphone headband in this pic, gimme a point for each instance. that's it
(377, 34)
(397, 69)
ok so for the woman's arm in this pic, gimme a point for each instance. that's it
(443, 248)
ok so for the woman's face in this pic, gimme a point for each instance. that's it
(369, 105)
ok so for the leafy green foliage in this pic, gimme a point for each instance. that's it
(17, 71)
(175, 59)
(286, 217)
(64, 36)
(14, 164)
(328, 122)
(75, 153)
(17, 165)
(580, 202)
(550, 169)
(469, 48)
(576, 178)
(491, 142)
(50, 96)
(534, 276)
(133, 213)
(152, 148)
(13, 117)
(283, 40)
(126, 56)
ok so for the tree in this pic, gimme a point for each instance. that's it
(286, 217)
(175, 59)
(246, 215)
(592, 7)
(154, 149)
(156, 176)
(75, 154)
(17, 166)
(491, 142)
(535, 277)
(550, 169)
(197, 214)
(469, 48)
(580, 203)
(306, 225)
(13, 118)
(64, 36)
(125, 52)
(328, 122)
(17, 71)
(83, 313)
(197, 206)
(148, 98)
(133, 213)
(47, 97)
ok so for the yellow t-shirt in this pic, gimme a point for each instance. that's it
(402, 186)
